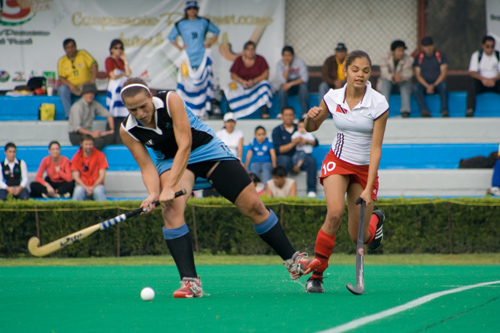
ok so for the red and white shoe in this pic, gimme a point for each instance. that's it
(299, 265)
(191, 287)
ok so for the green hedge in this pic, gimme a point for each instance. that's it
(412, 226)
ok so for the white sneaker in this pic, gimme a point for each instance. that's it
(494, 191)
(311, 194)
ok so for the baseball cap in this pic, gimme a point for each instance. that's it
(89, 88)
(426, 41)
(398, 43)
(340, 47)
(191, 4)
(229, 116)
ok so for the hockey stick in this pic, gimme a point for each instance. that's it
(360, 280)
(41, 251)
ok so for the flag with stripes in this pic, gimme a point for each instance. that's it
(113, 97)
(244, 102)
(195, 86)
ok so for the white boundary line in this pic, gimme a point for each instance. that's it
(419, 301)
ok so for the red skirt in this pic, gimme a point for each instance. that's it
(332, 165)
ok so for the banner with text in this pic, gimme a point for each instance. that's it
(32, 32)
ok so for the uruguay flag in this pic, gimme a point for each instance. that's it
(196, 86)
(244, 102)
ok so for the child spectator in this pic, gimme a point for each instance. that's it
(14, 175)
(59, 180)
(259, 186)
(305, 146)
(265, 157)
(280, 186)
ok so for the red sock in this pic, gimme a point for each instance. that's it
(323, 250)
(372, 228)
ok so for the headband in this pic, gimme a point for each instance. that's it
(134, 85)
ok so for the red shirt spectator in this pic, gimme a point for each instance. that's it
(89, 166)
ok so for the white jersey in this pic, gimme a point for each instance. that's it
(354, 127)
(230, 139)
(489, 67)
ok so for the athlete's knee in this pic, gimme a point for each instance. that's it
(333, 220)
(250, 205)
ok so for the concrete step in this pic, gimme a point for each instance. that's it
(423, 130)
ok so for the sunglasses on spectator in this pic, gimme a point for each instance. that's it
(489, 46)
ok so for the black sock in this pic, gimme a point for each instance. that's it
(181, 250)
(277, 239)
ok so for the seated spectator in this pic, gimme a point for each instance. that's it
(332, 73)
(280, 186)
(484, 70)
(232, 137)
(74, 69)
(285, 149)
(118, 72)
(58, 181)
(81, 119)
(195, 78)
(14, 176)
(264, 159)
(88, 166)
(294, 79)
(250, 90)
(303, 148)
(395, 74)
(430, 68)
(259, 186)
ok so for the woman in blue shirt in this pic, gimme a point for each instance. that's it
(264, 159)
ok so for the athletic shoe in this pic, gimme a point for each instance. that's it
(469, 112)
(494, 191)
(405, 114)
(191, 287)
(445, 114)
(425, 113)
(379, 234)
(311, 194)
(299, 265)
(314, 286)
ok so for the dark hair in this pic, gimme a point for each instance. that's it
(115, 42)
(10, 145)
(279, 171)
(288, 107)
(86, 137)
(67, 41)
(258, 128)
(248, 44)
(355, 55)
(54, 143)
(301, 120)
(254, 177)
(488, 38)
(134, 90)
(287, 48)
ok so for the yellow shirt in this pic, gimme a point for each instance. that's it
(340, 69)
(77, 71)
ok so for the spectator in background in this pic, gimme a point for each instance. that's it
(195, 77)
(118, 72)
(232, 137)
(250, 90)
(81, 119)
(59, 180)
(303, 148)
(74, 69)
(280, 185)
(332, 72)
(430, 68)
(294, 79)
(88, 166)
(484, 70)
(395, 74)
(14, 176)
(265, 157)
(285, 149)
